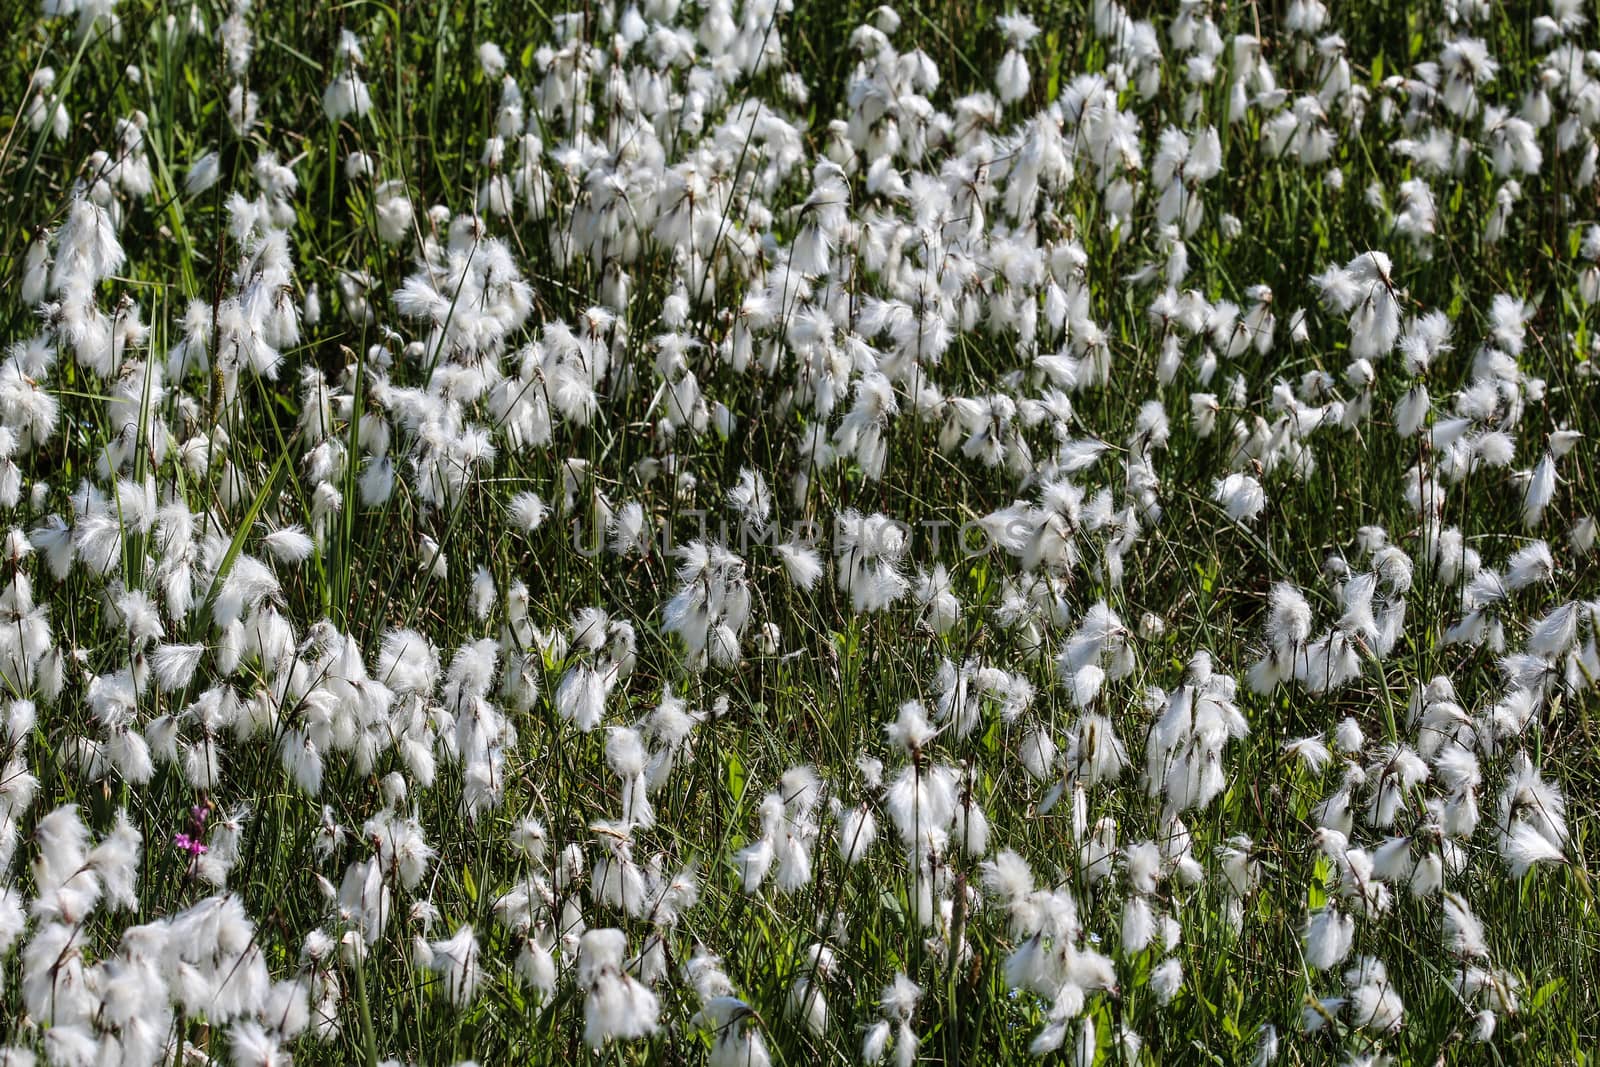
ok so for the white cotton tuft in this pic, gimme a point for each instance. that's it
(1539, 491)
(175, 665)
(1241, 496)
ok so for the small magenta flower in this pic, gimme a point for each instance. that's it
(191, 843)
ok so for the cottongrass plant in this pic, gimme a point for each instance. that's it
(744, 533)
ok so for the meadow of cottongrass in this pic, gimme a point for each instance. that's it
(765, 533)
